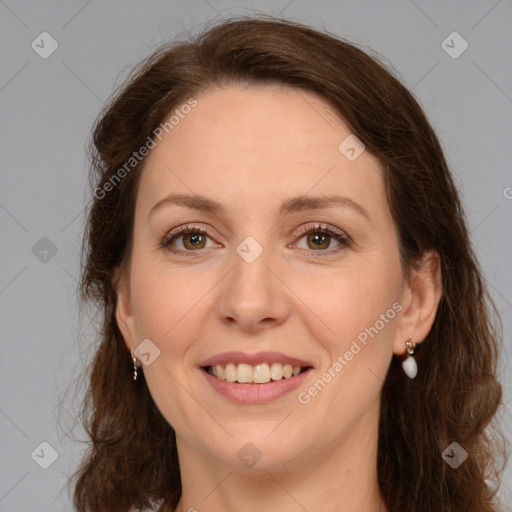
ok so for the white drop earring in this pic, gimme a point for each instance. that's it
(409, 365)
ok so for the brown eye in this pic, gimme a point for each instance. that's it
(194, 240)
(187, 239)
(319, 241)
(319, 238)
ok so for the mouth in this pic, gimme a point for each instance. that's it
(255, 378)
(262, 373)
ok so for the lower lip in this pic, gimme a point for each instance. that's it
(255, 393)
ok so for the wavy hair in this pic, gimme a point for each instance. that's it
(131, 461)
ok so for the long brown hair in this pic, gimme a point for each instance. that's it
(132, 459)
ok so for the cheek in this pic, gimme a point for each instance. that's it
(350, 300)
(354, 317)
(357, 344)
(169, 312)
(172, 308)
(169, 305)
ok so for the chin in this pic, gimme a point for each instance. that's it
(256, 449)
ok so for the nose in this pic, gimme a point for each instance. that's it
(253, 297)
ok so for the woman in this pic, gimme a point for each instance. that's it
(293, 316)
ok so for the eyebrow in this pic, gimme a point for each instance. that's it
(294, 204)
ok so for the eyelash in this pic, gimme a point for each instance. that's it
(343, 240)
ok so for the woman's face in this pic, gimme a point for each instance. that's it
(260, 244)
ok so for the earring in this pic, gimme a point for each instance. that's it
(409, 365)
(134, 365)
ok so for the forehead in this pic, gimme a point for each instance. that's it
(237, 141)
(250, 118)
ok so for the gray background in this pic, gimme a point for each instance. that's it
(48, 107)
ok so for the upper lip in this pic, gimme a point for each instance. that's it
(254, 359)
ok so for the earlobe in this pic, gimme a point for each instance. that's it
(422, 295)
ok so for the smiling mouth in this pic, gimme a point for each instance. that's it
(254, 374)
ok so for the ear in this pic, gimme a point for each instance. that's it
(420, 299)
(124, 315)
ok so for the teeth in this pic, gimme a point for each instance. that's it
(244, 373)
(276, 371)
(230, 372)
(260, 374)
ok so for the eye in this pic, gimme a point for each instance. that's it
(187, 239)
(319, 238)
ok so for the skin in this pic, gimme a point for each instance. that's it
(251, 149)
